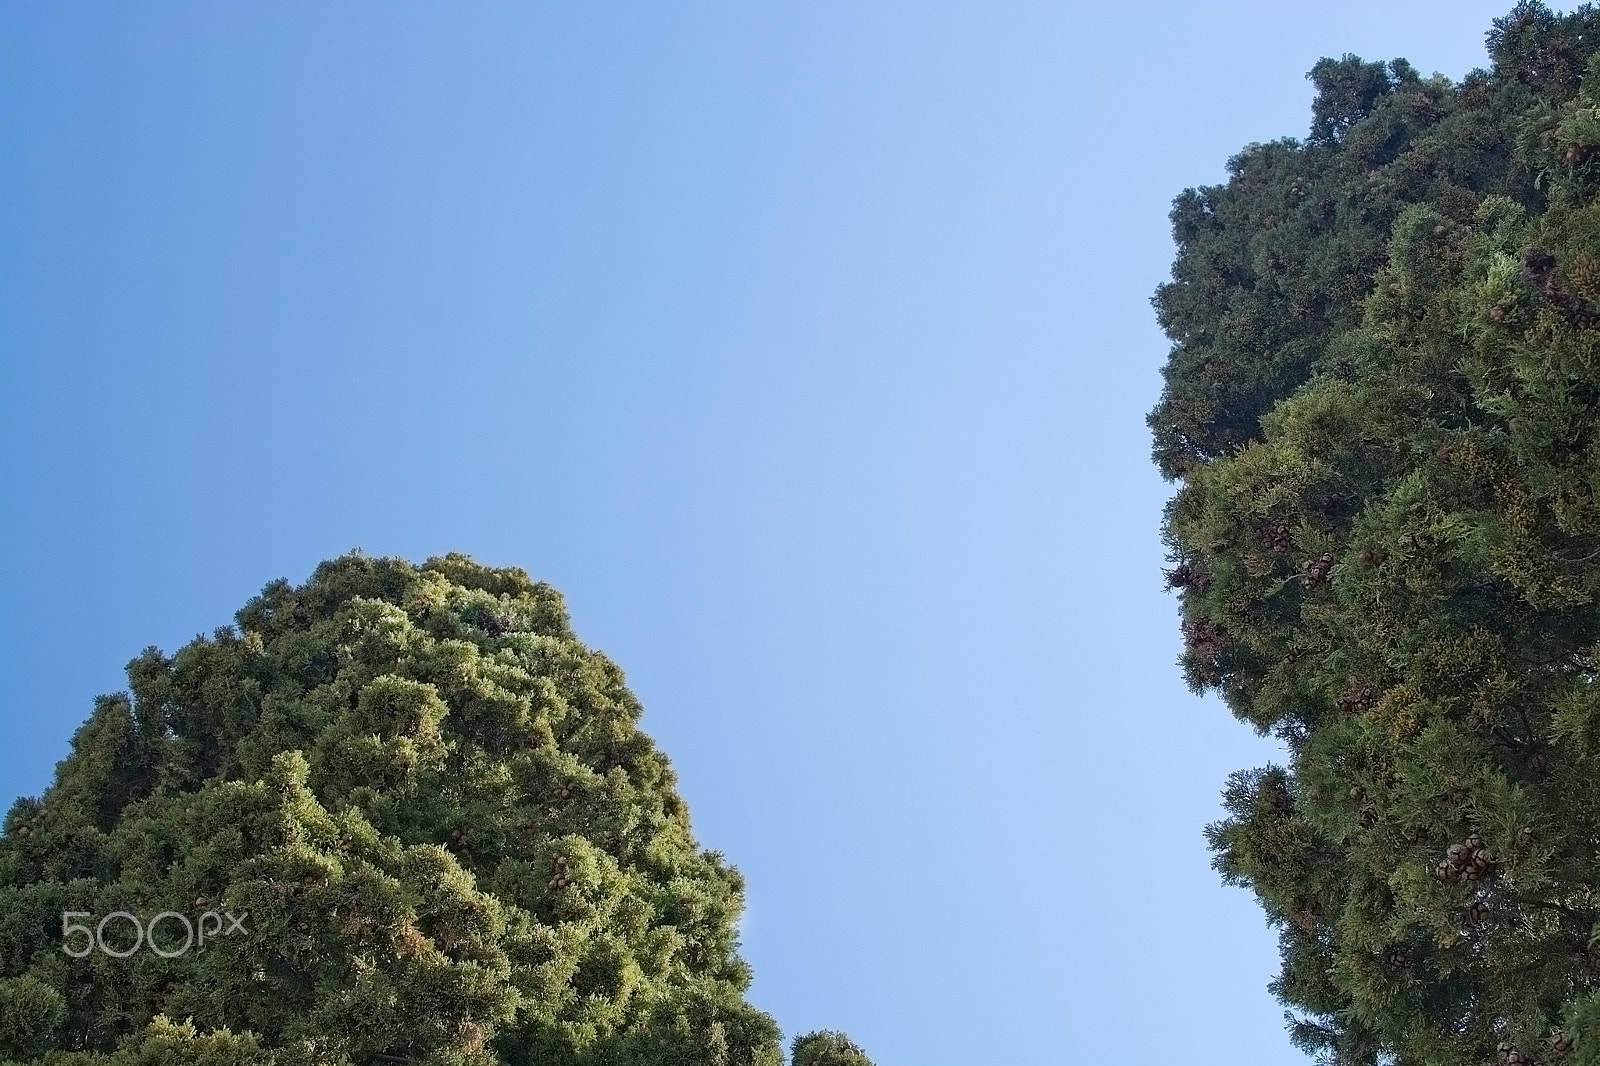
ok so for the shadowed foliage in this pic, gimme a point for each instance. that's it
(1382, 410)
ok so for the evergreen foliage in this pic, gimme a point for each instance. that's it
(452, 843)
(1383, 411)
(827, 1048)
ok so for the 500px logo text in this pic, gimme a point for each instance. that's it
(145, 932)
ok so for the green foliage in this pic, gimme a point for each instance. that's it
(1383, 411)
(164, 1044)
(31, 1013)
(451, 842)
(827, 1048)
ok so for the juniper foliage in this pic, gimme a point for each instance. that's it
(827, 1048)
(1382, 410)
(453, 844)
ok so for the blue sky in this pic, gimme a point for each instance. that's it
(804, 347)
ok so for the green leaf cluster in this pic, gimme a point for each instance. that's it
(827, 1048)
(452, 843)
(1382, 409)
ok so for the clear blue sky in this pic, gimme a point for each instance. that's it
(804, 346)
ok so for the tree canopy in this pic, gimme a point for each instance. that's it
(433, 816)
(1381, 413)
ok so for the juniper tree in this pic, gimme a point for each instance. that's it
(451, 841)
(1382, 409)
